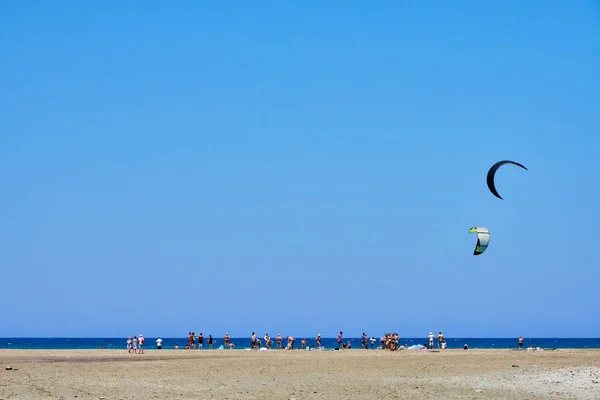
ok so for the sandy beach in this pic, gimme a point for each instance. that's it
(301, 375)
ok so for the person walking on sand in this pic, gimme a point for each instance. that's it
(520, 342)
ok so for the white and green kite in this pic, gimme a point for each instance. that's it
(483, 239)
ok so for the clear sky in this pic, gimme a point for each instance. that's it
(299, 167)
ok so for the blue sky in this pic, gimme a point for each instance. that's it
(299, 167)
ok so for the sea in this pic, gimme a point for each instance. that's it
(328, 343)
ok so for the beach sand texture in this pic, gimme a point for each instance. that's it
(301, 375)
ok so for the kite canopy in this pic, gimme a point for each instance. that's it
(492, 173)
(483, 239)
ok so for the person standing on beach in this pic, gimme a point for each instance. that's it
(200, 341)
(210, 342)
(134, 344)
(318, 340)
(440, 340)
(290, 343)
(520, 342)
(396, 341)
(141, 344)
(158, 343)
(129, 344)
(364, 341)
(279, 340)
(430, 340)
(340, 340)
(226, 339)
(253, 341)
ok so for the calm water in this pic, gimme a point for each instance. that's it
(329, 343)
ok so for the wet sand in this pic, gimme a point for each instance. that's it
(300, 375)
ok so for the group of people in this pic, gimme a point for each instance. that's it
(391, 342)
(192, 338)
(135, 345)
(388, 341)
(441, 341)
(256, 343)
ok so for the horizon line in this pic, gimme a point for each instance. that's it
(325, 337)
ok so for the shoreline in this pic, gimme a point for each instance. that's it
(328, 343)
(325, 350)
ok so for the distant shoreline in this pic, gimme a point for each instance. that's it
(153, 350)
(2, 338)
(120, 343)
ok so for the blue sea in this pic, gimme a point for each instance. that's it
(328, 343)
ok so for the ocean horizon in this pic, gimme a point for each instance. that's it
(81, 343)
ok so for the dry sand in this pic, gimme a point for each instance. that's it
(301, 375)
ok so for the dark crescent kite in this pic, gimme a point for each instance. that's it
(492, 173)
